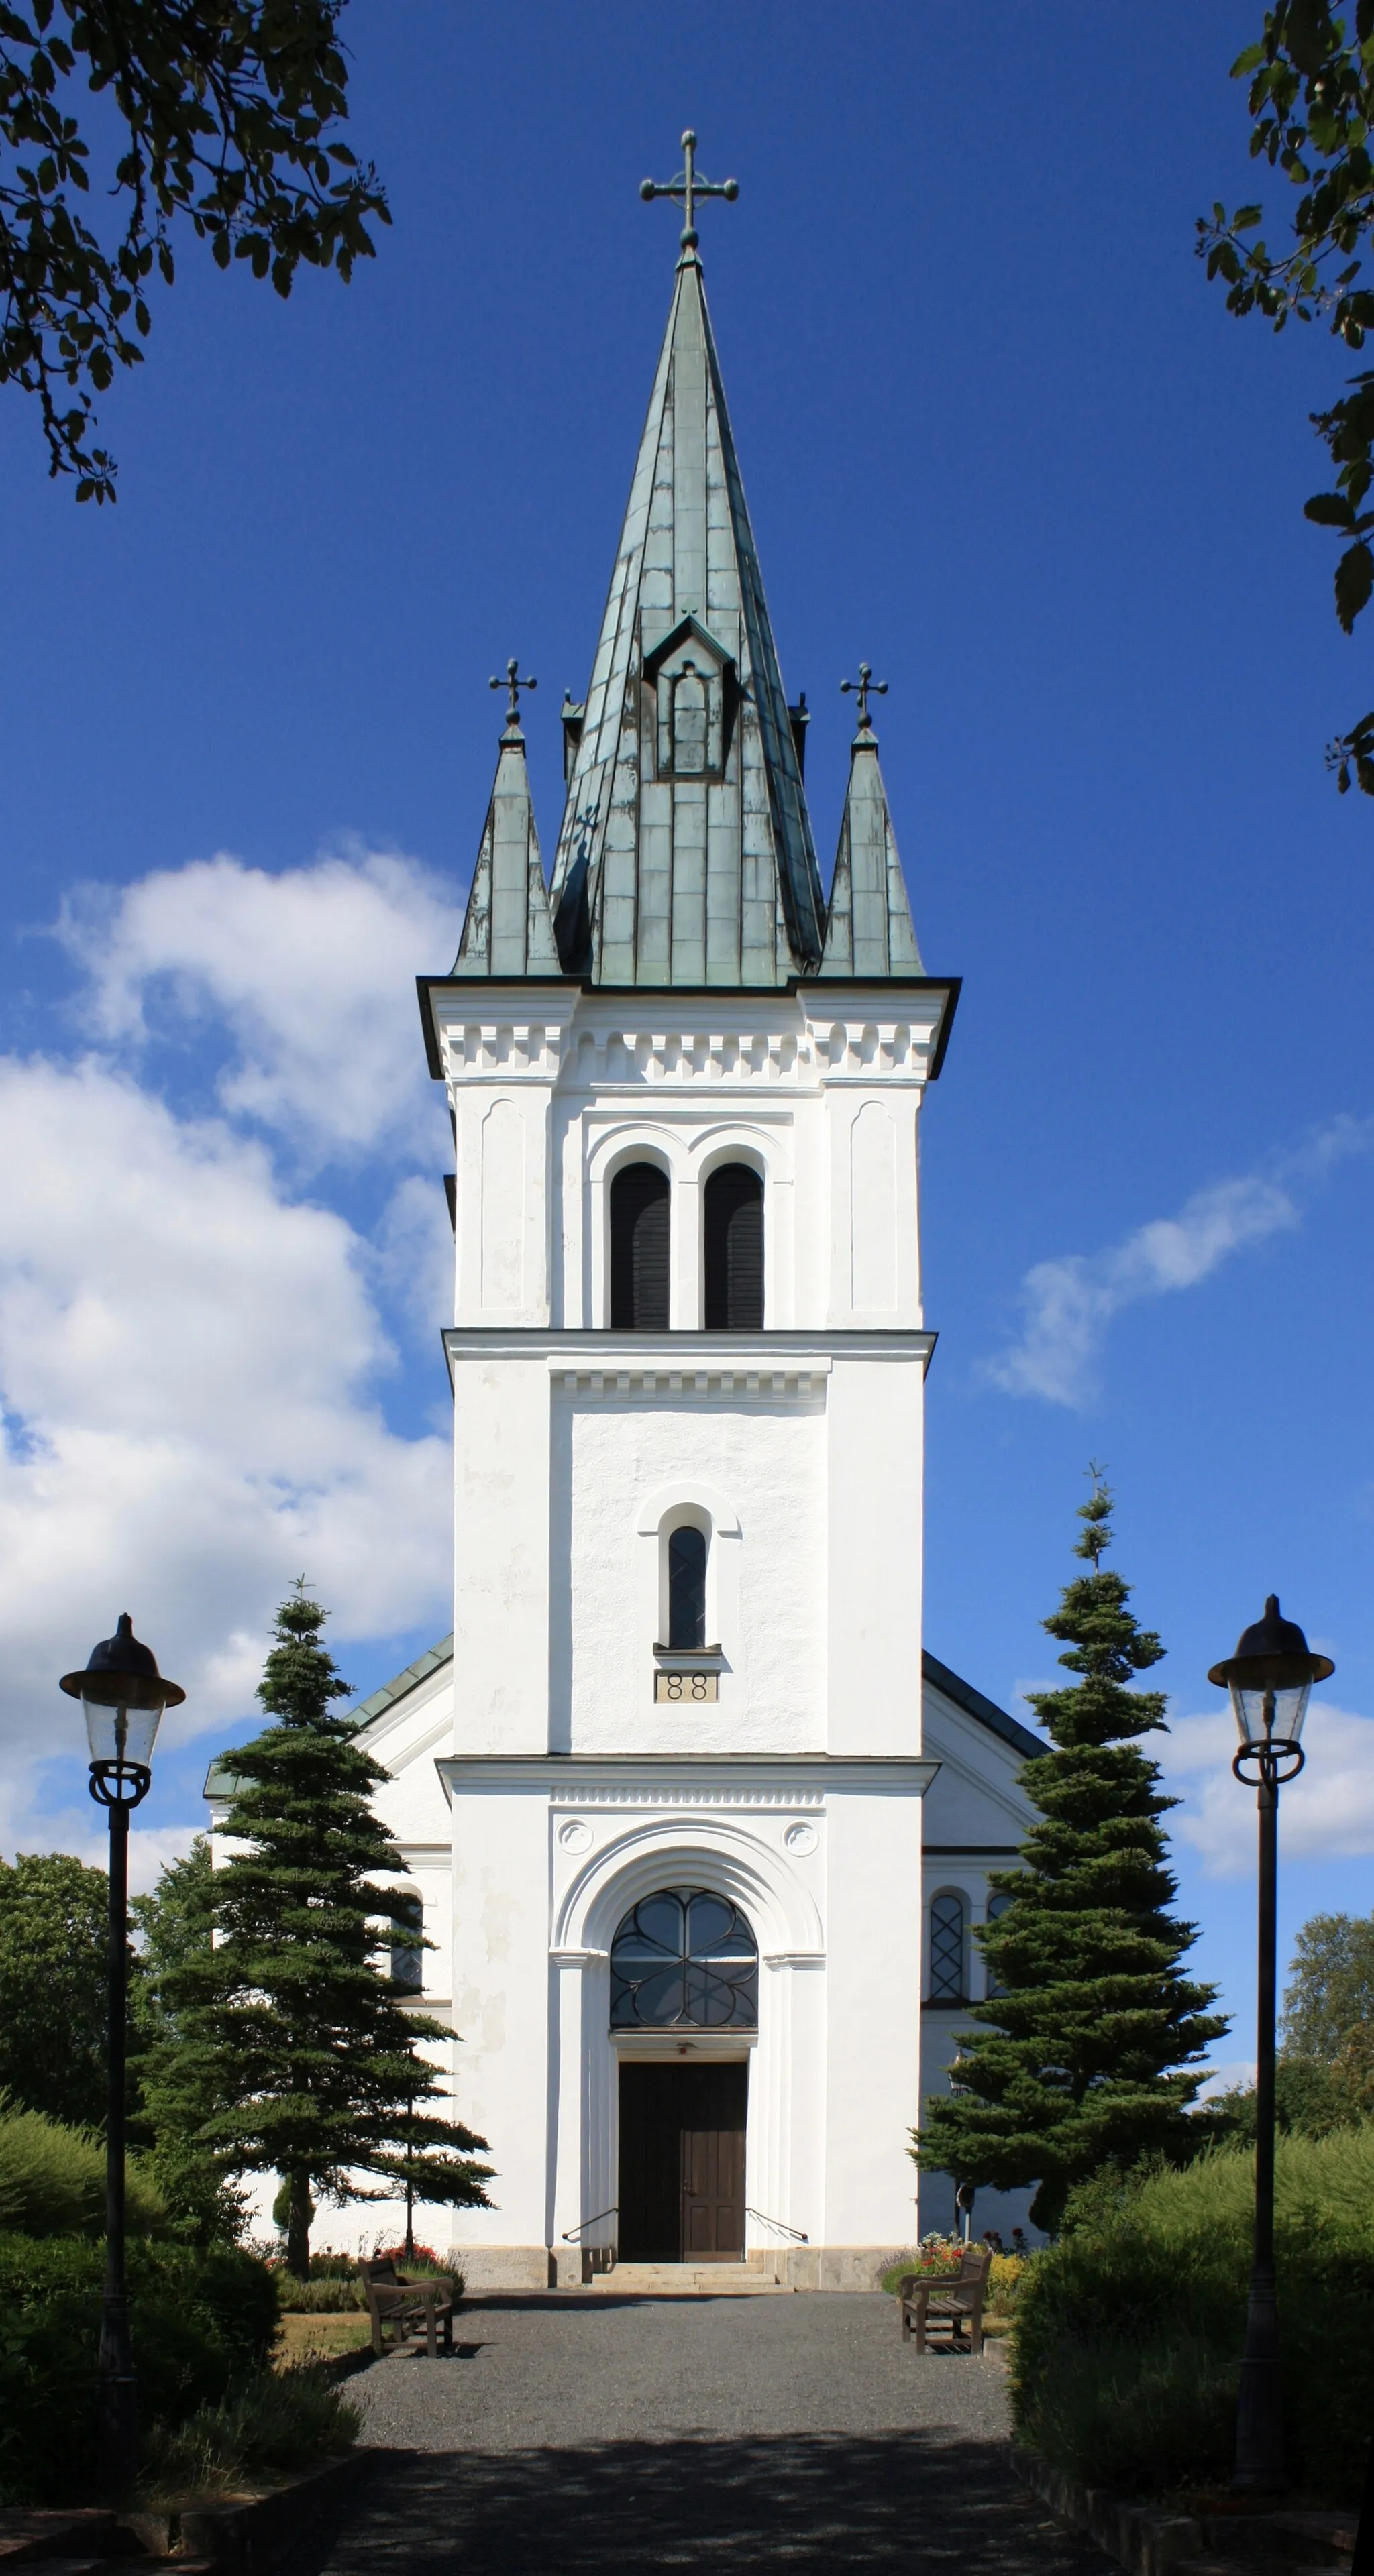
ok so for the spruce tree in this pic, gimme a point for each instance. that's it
(1086, 2055)
(176, 1928)
(287, 2025)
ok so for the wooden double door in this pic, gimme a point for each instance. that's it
(682, 2162)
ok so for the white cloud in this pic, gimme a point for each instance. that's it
(1068, 1303)
(1327, 1812)
(311, 970)
(188, 1364)
(414, 1252)
(1233, 2073)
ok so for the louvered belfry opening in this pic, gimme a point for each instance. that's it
(733, 1217)
(639, 1250)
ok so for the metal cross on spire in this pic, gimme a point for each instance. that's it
(515, 686)
(687, 188)
(866, 687)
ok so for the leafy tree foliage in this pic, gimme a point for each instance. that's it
(1311, 2100)
(286, 2025)
(1332, 1990)
(224, 112)
(1311, 101)
(1083, 2056)
(54, 1915)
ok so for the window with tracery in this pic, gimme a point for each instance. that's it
(684, 1959)
(997, 1906)
(947, 1949)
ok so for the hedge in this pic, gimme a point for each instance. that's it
(1130, 2328)
(200, 2321)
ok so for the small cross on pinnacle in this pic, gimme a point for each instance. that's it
(687, 188)
(515, 686)
(867, 687)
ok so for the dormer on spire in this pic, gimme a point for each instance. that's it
(869, 932)
(508, 927)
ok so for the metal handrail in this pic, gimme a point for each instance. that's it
(570, 2232)
(798, 2234)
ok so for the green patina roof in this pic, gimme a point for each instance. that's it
(221, 1782)
(688, 880)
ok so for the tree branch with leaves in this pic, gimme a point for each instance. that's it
(1311, 101)
(226, 113)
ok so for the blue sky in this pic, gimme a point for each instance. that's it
(1001, 440)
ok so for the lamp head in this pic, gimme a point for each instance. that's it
(122, 1695)
(1270, 1678)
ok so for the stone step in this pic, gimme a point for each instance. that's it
(689, 2281)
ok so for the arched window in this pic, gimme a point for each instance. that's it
(689, 723)
(997, 1906)
(407, 1964)
(947, 1949)
(687, 1587)
(733, 1225)
(684, 1958)
(639, 1249)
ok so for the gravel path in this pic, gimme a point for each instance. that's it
(724, 2433)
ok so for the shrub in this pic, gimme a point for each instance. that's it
(326, 2298)
(1130, 2328)
(199, 2321)
(269, 2424)
(1005, 2283)
(52, 2180)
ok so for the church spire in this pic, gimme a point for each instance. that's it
(686, 854)
(870, 931)
(508, 928)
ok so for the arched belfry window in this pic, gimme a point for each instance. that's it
(947, 1949)
(684, 1959)
(732, 1224)
(687, 1587)
(639, 1249)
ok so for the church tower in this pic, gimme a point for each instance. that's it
(686, 1769)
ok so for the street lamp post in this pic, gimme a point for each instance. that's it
(1270, 1679)
(123, 1696)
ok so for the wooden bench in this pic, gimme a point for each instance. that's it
(951, 2299)
(414, 2310)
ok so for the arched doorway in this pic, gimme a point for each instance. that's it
(683, 1961)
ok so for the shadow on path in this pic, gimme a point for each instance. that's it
(803, 2502)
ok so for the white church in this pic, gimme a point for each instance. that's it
(698, 1829)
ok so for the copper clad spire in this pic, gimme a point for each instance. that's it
(686, 855)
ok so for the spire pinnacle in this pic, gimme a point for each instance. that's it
(869, 930)
(508, 927)
(515, 686)
(866, 687)
(687, 187)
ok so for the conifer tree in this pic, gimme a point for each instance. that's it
(286, 2024)
(176, 1926)
(1087, 2053)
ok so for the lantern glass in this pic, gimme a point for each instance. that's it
(121, 1733)
(1272, 1715)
